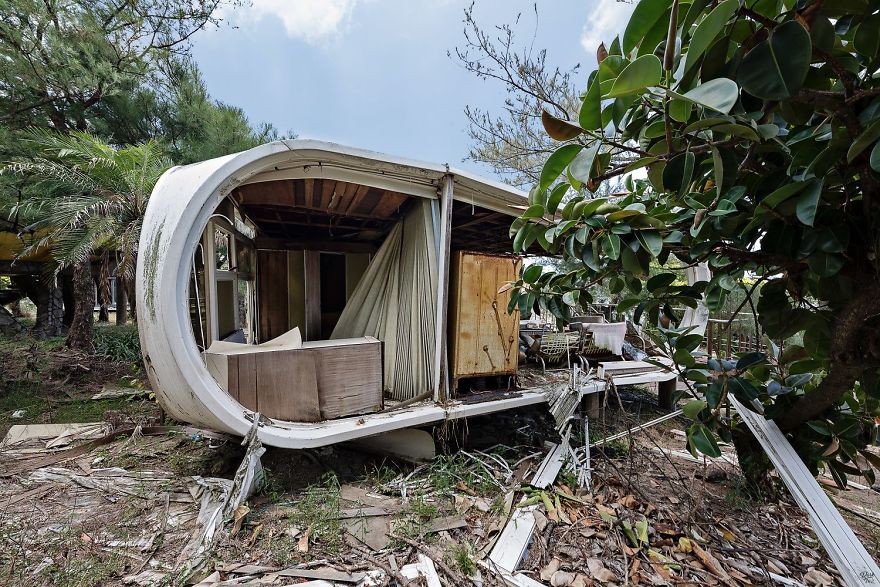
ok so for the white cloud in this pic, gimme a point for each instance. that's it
(309, 20)
(607, 20)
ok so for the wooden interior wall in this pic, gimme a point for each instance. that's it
(313, 295)
(272, 293)
(296, 287)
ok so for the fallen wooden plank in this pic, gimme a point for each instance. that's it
(550, 466)
(511, 579)
(424, 568)
(514, 540)
(856, 567)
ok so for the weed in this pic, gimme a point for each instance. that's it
(447, 471)
(379, 475)
(740, 494)
(415, 517)
(463, 557)
(319, 510)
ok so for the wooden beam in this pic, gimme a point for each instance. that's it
(283, 244)
(313, 295)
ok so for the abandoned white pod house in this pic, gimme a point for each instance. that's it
(337, 292)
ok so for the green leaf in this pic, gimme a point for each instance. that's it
(678, 172)
(643, 72)
(651, 241)
(808, 202)
(643, 19)
(689, 342)
(798, 380)
(582, 164)
(825, 264)
(532, 273)
(750, 359)
(780, 195)
(693, 408)
(718, 94)
(556, 197)
(702, 439)
(866, 39)
(611, 246)
(776, 68)
(708, 30)
(556, 164)
(589, 259)
(864, 140)
(875, 157)
(660, 280)
(534, 211)
(630, 262)
(590, 116)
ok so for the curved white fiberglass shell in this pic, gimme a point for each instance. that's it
(179, 209)
(180, 206)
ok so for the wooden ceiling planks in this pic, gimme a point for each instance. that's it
(322, 196)
(296, 210)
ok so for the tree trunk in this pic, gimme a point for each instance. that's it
(121, 301)
(849, 355)
(132, 299)
(103, 288)
(50, 306)
(80, 336)
(753, 463)
(66, 280)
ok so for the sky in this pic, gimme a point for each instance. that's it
(375, 74)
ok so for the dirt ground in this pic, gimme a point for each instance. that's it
(130, 510)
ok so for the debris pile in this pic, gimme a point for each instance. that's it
(145, 506)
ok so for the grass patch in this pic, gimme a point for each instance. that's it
(464, 557)
(120, 344)
(318, 510)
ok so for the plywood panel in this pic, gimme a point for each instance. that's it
(296, 288)
(312, 295)
(272, 293)
(287, 386)
(247, 380)
(349, 376)
(483, 337)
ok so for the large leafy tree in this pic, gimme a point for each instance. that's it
(63, 57)
(89, 203)
(754, 126)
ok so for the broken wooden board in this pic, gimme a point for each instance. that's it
(551, 465)
(856, 567)
(424, 568)
(514, 540)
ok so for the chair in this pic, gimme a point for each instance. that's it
(552, 348)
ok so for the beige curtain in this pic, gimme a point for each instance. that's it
(395, 302)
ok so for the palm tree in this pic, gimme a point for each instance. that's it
(91, 198)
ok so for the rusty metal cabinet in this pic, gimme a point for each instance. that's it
(483, 337)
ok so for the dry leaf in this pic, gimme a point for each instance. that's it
(253, 539)
(303, 543)
(239, 515)
(562, 579)
(548, 571)
(816, 578)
